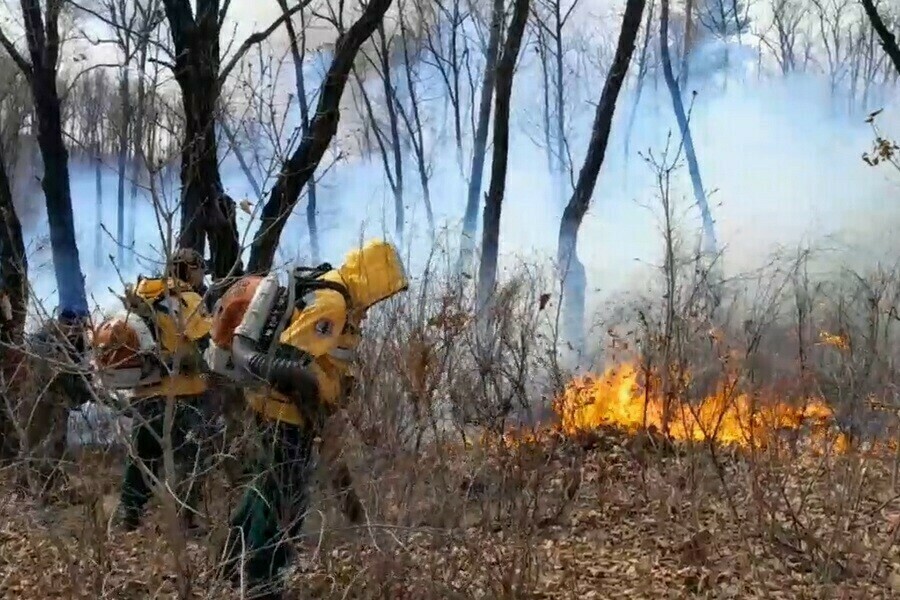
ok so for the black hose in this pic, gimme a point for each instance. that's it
(287, 375)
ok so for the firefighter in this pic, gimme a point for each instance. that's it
(299, 341)
(59, 347)
(155, 350)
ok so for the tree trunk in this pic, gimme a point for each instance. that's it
(709, 244)
(206, 211)
(642, 75)
(470, 219)
(55, 182)
(301, 166)
(571, 269)
(239, 155)
(98, 214)
(888, 41)
(43, 49)
(454, 69)
(545, 78)
(137, 158)
(298, 53)
(493, 203)
(125, 126)
(562, 159)
(389, 99)
(686, 48)
(415, 129)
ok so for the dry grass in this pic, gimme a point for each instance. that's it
(630, 526)
(454, 513)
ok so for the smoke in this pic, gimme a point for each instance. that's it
(780, 154)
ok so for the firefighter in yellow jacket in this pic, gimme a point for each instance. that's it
(154, 350)
(294, 348)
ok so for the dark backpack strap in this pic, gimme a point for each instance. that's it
(308, 279)
(321, 284)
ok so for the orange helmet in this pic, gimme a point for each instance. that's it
(231, 308)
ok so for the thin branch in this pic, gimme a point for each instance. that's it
(223, 12)
(568, 14)
(142, 33)
(86, 71)
(888, 41)
(20, 61)
(256, 38)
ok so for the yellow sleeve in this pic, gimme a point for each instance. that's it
(197, 322)
(185, 318)
(317, 328)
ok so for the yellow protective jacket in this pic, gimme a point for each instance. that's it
(327, 329)
(181, 325)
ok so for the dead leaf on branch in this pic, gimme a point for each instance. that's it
(543, 300)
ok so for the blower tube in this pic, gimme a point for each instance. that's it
(288, 375)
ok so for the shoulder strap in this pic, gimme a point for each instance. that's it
(308, 279)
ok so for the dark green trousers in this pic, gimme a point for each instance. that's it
(189, 434)
(273, 508)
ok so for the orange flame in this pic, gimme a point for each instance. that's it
(618, 398)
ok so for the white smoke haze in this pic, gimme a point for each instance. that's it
(780, 153)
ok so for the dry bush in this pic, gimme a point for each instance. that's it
(463, 498)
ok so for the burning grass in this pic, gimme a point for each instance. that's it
(628, 399)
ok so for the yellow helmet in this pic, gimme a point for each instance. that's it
(372, 273)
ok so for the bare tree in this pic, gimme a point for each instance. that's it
(552, 19)
(383, 52)
(124, 14)
(493, 202)
(206, 210)
(787, 29)
(724, 19)
(641, 77)
(389, 143)
(448, 50)
(42, 33)
(888, 39)
(149, 15)
(414, 123)
(299, 169)
(710, 244)
(479, 146)
(298, 53)
(94, 92)
(687, 45)
(543, 49)
(572, 272)
(834, 18)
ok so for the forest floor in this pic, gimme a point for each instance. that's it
(618, 517)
